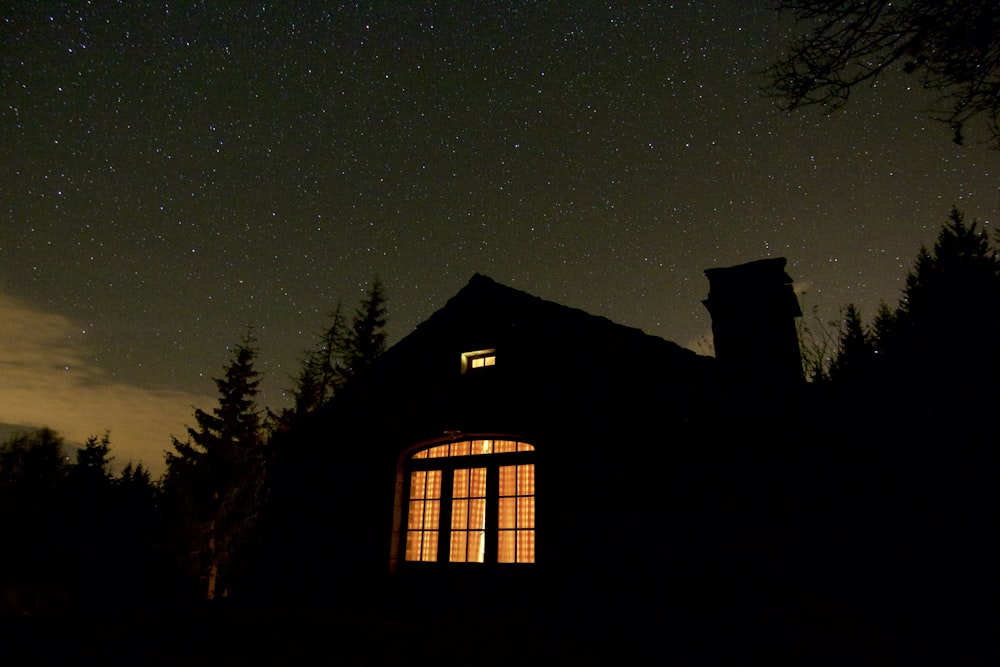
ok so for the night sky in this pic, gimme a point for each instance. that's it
(171, 173)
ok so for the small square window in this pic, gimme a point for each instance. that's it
(480, 359)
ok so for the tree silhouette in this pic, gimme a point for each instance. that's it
(949, 310)
(855, 350)
(952, 47)
(322, 369)
(938, 340)
(33, 523)
(91, 473)
(342, 353)
(366, 337)
(215, 480)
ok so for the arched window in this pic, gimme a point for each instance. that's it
(471, 501)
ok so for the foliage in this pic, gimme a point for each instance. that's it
(215, 480)
(366, 338)
(942, 331)
(92, 472)
(855, 350)
(816, 346)
(950, 306)
(72, 529)
(342, 353)
(952, 47)
(321, 373)
(32, 464)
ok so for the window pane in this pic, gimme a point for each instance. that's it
(526, 512)
(506, 514)
(457, 554)
(477, 546)
(415, 520)
(433, 484)
(431, 514)
(524, 447)
(459, 514)
(460, 448)
(508, 480)
(526, 480)
(437, 452)
(417, 479)
(477, 514)
(525, 546)
(413, 545)
(477, 483)
(504, 447)
(460, 486)
(506, 546)
(430, 551)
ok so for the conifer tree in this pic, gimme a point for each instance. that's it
(366, 337)
(92, 467)
(320, 376)
(855, 350)
(216, 478)
(342, 353)
(950, 306)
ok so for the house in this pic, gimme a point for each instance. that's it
(514, 446)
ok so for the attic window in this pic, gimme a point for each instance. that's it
(474, 361)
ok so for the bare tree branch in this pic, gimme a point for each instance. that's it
(952, 47)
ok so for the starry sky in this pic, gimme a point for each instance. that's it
(172, 173)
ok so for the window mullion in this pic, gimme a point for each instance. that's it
(492, 509)
(444, 525)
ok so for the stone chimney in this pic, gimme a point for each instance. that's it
(753, 312)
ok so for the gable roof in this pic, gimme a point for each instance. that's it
(486, 314)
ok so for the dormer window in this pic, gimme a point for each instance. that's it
(478, 360)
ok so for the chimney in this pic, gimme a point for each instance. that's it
(753, 312)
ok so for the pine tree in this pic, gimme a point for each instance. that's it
(366, 337)
(882, 331)
(950, 306)
(855, 350)
(216, 477)
(92, 467)
(33, 523)
(321, 373)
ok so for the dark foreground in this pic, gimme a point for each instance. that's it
(226, 636)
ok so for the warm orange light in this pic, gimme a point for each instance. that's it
(478, 359)
(466, 514)
(423, 519)
(516, 514)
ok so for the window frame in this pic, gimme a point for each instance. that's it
(489, 357)
(492, 462)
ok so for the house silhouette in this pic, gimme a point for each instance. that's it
(531, 450)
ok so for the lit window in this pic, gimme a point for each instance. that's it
(479, 359)
(454, 486)
(516, 517)
(423, 519)
(468, 516)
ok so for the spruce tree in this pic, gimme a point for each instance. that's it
(216, 478)
(950, 308)
(320, 376)
(855, 351)
(366, 337)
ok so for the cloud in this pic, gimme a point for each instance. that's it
(46, 379)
